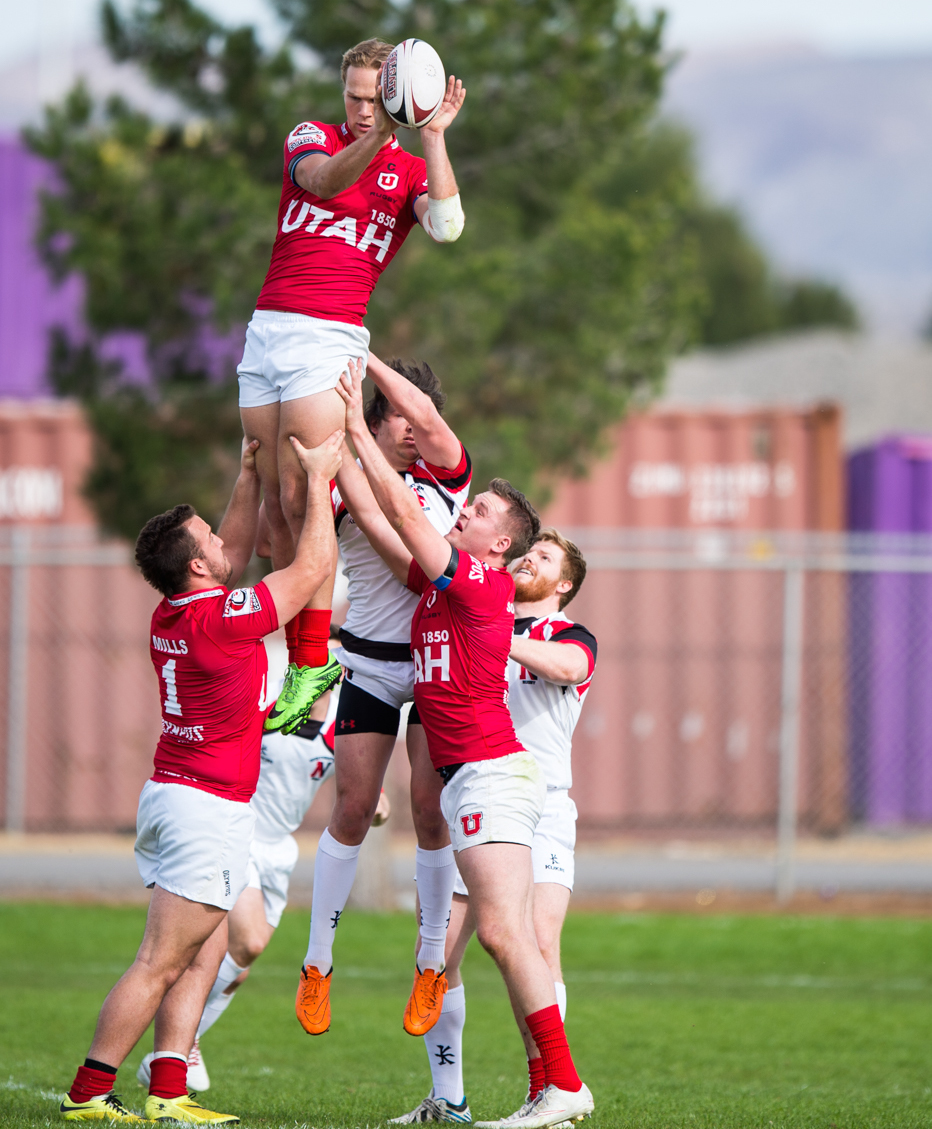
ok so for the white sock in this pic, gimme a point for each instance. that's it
(334, 871)
(435, 873)
(560, 989)
(444, 1043)
(218, 1000)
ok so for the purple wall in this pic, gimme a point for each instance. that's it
(890, 491)
(29, 303)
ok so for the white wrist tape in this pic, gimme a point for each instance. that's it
(445, 219)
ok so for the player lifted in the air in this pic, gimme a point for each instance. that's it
(350, 195)
(494, 790)
(549, 673)
(404, 418)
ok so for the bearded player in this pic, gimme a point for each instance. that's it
(494, 790)
(549, 673)
(350, 195)
(404, 418)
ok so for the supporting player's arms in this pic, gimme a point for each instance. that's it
(433, 435)
(396, 500)
(364, 510)
(292, 587)
(563, 663)
(238, 528)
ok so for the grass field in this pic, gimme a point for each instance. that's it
(674, 1021)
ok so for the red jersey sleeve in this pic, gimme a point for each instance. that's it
(480, 592)
(309, 137)
(247, 614)
(417, 579)
(456, 479)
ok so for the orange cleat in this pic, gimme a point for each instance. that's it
(426, 1001)
(312, 1003)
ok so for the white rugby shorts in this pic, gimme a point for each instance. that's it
(288, 356)
(193, 843)
(553, 848)
(494, 801)
(390, 682)
(269, 870)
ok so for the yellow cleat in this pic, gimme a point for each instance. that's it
(312, 1003)
(426, 1001)
(186, 1110)
(108, 1107)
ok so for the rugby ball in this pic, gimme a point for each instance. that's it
(413, 83)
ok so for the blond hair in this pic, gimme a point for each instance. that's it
(574, 563)
(371, 53)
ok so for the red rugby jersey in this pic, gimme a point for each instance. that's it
(328, 254)
(208, 653)
(460, 639)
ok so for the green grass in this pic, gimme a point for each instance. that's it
(674, 1021)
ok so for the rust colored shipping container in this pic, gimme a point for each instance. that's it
(90, 705)
(681, 726)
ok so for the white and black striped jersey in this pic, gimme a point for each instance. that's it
(293, 766)
(379, 621)
(545, 713)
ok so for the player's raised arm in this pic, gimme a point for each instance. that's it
(292, 587)
(398, 503)
(440, 213)
(563, 663)
(238, 528)
(434, 437)
(365, 511)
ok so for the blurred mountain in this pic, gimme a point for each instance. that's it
(37, 80)
(830, 160)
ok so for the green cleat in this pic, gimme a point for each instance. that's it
(303, 686)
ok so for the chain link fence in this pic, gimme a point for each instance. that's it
(766, 684)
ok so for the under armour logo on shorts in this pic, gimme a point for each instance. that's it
(471, 823)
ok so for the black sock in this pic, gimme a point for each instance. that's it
(93, 1064)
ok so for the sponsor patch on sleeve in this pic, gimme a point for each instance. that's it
(242, 601)
(307, 133)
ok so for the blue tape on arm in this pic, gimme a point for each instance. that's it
(443, 581)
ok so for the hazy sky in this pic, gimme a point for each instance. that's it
(849, 26)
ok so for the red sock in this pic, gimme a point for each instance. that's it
(546, 1029)
(291, 637)
(313, 634)
(537, 1079)
(169, 1077)
(91, 1082)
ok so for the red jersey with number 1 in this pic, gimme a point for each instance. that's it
(328, 254)
(460, 640)
(208, 652)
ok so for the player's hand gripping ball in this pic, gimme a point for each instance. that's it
(413, 83)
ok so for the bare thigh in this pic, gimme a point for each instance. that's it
(264, 424)
(426, 786)
(249, 930)
(360, 761)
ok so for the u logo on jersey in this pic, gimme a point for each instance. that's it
(388, 180)
(471, 823)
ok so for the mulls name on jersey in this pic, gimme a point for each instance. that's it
(183, 732)
(344, 229)
(169, 646)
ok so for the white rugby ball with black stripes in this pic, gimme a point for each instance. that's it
(413, 83)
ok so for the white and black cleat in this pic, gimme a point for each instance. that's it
(198, 1078)
(435, 1109)
(551, 1107)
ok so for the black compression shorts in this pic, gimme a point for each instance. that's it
(361, 712)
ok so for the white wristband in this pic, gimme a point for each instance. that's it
(445, 220)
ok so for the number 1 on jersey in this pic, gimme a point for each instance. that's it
(171, 704)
